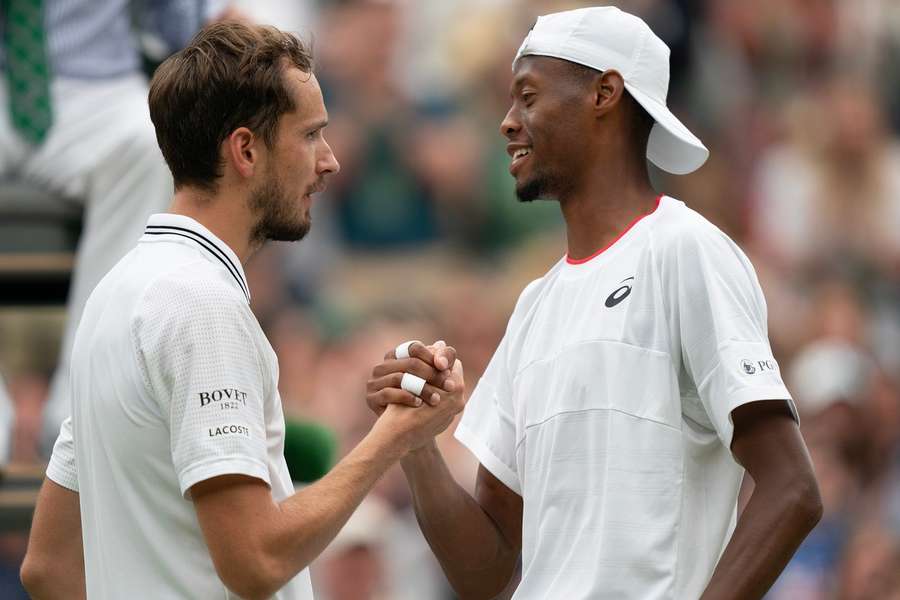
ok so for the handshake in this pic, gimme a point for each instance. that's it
(416, 392)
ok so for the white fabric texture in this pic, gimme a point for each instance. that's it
(7, 421)
(173, 383)
(61, 468)
(101, 150)
(607, 407)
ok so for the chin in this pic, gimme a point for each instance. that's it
(281, 231)
(530, 190)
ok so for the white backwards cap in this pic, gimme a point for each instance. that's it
(607, 38)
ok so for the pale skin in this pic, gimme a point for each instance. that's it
(478, 539)
(257, 544)
(54, 564)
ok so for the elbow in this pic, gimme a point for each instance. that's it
(36, 577)
(806, 502)
(256, 578)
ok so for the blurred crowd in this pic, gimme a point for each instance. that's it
(420, 237)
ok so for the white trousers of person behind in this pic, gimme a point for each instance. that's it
(100, 151)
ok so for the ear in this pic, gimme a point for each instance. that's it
(242, 149)
(608, 90)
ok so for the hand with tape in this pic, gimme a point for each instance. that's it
(411, 374)
(419, 389)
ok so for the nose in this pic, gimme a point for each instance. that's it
(327, 162)
(510, 124)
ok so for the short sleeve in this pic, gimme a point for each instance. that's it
(719, 314)
(488, 425)
(61, 468)
(199, 352)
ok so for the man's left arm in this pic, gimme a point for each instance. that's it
(784, 507)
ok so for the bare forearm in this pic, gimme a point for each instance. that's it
(63, 581)
(310, 519)
(54, 564)
(772, 526)
(477, 559)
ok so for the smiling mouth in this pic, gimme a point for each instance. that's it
(518, 157)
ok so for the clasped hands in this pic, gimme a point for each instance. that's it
(424, 403)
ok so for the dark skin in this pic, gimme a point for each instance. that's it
(587, 143)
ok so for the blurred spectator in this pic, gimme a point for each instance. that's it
(380, 200)
(831, 191)
(359, 549)
(870, 570)
(799, 102)
(79, 126)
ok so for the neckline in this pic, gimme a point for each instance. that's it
(581, 261)
(168, 224)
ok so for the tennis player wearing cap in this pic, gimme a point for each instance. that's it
(635, 382)
(177, 423)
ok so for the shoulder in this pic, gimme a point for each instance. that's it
(191, 296)
(531, 294)
(684, 235)
(678, 225)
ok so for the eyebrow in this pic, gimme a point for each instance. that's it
(321, 124)
(518, 82)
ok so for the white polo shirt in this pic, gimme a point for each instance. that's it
(173, 383)
(607, 407)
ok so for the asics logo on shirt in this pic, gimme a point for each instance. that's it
(619, 293)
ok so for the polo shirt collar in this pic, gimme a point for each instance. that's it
(167, 225)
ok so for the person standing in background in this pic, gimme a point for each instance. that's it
(74, 121)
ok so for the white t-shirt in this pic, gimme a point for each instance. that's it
(607, 408)
(173, 383)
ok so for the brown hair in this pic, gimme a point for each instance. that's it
(231, 75)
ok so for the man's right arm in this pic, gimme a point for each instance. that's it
(258, 545)
(477, 540)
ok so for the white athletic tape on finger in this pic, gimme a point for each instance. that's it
(402, 351)
(412, 384)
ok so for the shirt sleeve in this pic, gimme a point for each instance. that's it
(719, 313)
(61, 468)
(488, 424)
(205, 369)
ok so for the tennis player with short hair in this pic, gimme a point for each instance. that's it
(635, 382)
(177, 424)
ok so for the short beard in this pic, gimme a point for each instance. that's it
(277, 215)
(542, 186)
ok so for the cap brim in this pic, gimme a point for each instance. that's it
(672, 146)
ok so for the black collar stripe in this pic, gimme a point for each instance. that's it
(208, 245)
(212, 246)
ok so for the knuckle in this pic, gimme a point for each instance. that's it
(422, 369)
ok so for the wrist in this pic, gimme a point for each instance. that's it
(388, 442)
(422, 456)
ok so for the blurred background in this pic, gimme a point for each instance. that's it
(420, 237)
